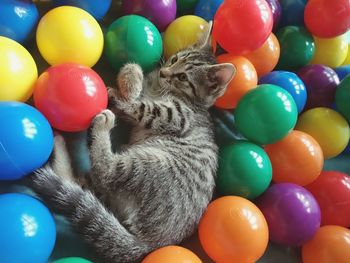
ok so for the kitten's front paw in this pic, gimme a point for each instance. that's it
(104, 121)
(130, 80)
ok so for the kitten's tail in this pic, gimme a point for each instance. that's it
(102, 230)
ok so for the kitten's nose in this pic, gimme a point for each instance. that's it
(163, 73)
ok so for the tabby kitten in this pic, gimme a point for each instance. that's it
(156, 189)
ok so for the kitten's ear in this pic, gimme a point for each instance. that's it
(205, 41)
(221, 74)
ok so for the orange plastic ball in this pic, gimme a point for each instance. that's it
(233, 229)
(297, 158)
(266, 57)
(331, 244)
(172, 254)
(245, 80)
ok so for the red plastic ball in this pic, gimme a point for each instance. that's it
(242, 26)
(69, 96)
(332, 192)
(327, 18)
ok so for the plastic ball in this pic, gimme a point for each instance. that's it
(342, 71)
(135, 39)
(182, 33)
(297, 158)
(329, 129)
(26, 140)
(266, 57)
(97, 9)
(342, 97)
(347, 59)
(291, 83)
(292, 12)
(332, 192)
(297, 47)
(266, 114)
(321, 83)
(70, 96)
(233, 229)
(185, 7)
(68, 34)
(292, 214)
(27, 229)
(330, 52)
(18, 71)
(276, 11)
(330, 244)
(160, 13)
(242, 26)
(207, 8)
(244, 80)
(17, 19)
(327, 19)
(244, 170)
(72, 260)
(172, 254)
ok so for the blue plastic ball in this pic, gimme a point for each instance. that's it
(292, 12)
(26, 140)
(342, 71)
(17, 19)
(290, 82)
(207, 8)
(97, 8)
(27, 228)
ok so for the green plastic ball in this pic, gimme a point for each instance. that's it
(244, 170)
(186, 7)
(134, 39)
(342, 97)
(297, 47)
(266, 114)
(72, 260)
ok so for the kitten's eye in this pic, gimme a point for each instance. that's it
(173, 60)
(182, 77)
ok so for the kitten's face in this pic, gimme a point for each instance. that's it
(193, 74)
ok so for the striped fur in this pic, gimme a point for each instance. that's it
(152, 193)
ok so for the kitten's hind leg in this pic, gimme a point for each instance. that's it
(102, 230)
(61, 162)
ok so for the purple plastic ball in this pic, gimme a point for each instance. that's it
(291, 212)
(276, 11)
(321, 83)
(160, 12)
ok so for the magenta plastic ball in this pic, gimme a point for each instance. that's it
(276, 11)
(291, 212)
(321, 83)
(159, 12)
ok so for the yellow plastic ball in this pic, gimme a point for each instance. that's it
(347, 59)
(18, 71)
(69, 34)
(182, 33)
(328, 128)
(330, 51)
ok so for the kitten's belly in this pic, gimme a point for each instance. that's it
(125, 206)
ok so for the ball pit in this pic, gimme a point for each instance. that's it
(28, 231)
(233, 230)
(273, 122)
(128, 37)
(227, 230)
(16, 61)
(26, 140)
(17, 19)
(292, 214)
(172, 254)
(68, 34)
(69, 96)
(160, 13)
